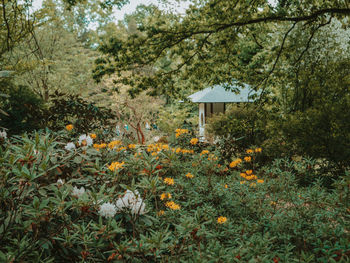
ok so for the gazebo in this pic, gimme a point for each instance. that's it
(214, 99)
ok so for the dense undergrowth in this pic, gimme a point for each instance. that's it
(66, 198)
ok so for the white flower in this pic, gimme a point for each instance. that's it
(138, 207)
(85, 140)
(3, 134)
(132, 201)
(156, 138)
(70, 146)
(60, 182)
(78, 192)
(107, 210)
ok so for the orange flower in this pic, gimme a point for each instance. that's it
(172, 205)
(132, 146)
(260, 181)
(69, 127)
(169, 181)
(160, 212)
(248, 172)
(189, 175)
(249, 151)
(165, 196)
(247, 158)
(222, 219)
(194, 141)
(226, 186)
(115, 166)
(93, 135)
(258, 150)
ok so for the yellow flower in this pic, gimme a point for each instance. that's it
(169, 181)
(115, 166)
(252, 185)
(93, 135)
(222, 219)
(273, 203)
(194, 141)
(178, 150)
(172, 205)
(235, 163)
(248, 172)
(160, 212)
(249, 151)
(189, 175)
(243, 175)
(242, 182)
(247, 158)
(165, 147)
(258, 150)
(260, 181)
(226, 186)
(114, 144)
(165, 196)
(132, 146)
(69, 127)
(154, 153)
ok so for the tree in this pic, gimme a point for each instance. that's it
(216, 41)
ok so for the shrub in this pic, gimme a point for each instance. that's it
(119, 202)
(237, 129)
(25, 109)
(85, 116)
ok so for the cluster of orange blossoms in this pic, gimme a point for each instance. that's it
(115, 166)
(99, 146)
(114, 144)
(179, 132)
(194, 141)
(172, 205)
(183, 151)
(189, 175)
(93, 136)
(235, 162)
(165, 196)
(69, 127)
(157, 147)
(248, 175)
(222, 219)
(169, 181)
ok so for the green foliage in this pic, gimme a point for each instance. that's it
(176, 116)
(45, 220)
(25, 110)
(237, 129)
(65, 109)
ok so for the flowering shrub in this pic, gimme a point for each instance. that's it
(156, 203)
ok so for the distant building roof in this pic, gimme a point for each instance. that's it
(218, 93)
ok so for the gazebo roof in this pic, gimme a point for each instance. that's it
(218, 93)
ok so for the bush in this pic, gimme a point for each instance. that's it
(85, 116)
(189, 206)
(240, 127)
(24, 108)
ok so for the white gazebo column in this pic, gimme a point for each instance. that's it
(201, 120)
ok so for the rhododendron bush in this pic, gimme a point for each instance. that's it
(68, 197)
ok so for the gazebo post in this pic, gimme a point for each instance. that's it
(201, 120)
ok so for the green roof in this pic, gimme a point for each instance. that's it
(218, 93)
